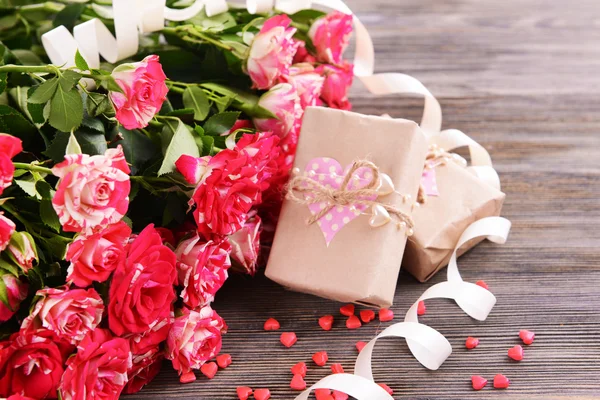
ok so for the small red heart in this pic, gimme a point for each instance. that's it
(320, 358)
(501, 382)
(299, 369)
(526, 336)
(482, 284)
(209, 370)
(367, 316)
(187, 377)
(271, 325)
(471, 342)
(387, 388)
(244, 392)
(339, 395)
(262, 394)
(323, 394)
(326, 322)
(224, 360)
(421, 309)
(478, 382)
(516, 353)
(298, 383)
(353, 322)
(360, 346)
(386, 315)
(347, 310)
(337, 369)
(288, 339)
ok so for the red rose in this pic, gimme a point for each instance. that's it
(141, 343)
(31, 364)
(144, 370)
(94, 257)
(7, 228)
(141, 291)
(98, 370)
(10, 146)
(167, 236)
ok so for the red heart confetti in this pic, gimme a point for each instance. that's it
(386, 315)
(526, 336)
(337, 369)
(288, 339)
(471, 342)
(501, 382)
(323, 394)
(516, 353)
(244, 392)
(421, 309)
(367, 316)
(482, 284)
(360, 346)
(337, 395)
(262, 394)
(271, 325)
(326, 322)
(353, 322)
(320, 358)
(478, 382)
(298, 383)
(209, 370)
(299, 369)
(188, 377)
(387, 388)
(347, 310)
(224, 360)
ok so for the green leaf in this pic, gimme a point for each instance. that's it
(9, 266)
(137, 147)
(98, 103)
(91, 140)
(80, 62)
(66, 112)
(307, 16)
(73, 146)
(208, 143)
(28, 187)
(183, 111)
(196, 99)
(27, 57)
(69, 79)
(69, 15)
(36, 111)
(33, 112)
(14, 123)
(44, 92)
(221, 123)
(8, 21)
(3, 77)
(44, 189)
(4, 295)
(181, 143)
(48, 215)
(109, 83)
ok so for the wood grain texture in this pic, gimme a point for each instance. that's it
(521, 77)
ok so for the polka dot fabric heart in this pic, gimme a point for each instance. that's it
(329, 173)
(429, 182)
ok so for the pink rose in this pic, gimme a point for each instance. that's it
(98, 370)
(7, 228)
(16, 292)
(93, 191)
(195, 338)
(144, 88)
(10, 146)
(272, 52)
(141, 291)
(31, 364)
(330, 35)
(144, 369)
(337, 83)
(245, 245)
(157, 333)
(307, 82)
(94, 257)
(302, 55)
(193, 169)
(283, 101)
(69, 313)
(202, 269)
(22, 250)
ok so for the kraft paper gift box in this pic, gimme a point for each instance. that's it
(439, 222)
(360, 263)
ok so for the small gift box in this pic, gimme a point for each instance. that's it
(454, 198)
(344, 223)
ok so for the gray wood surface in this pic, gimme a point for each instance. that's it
(522, 77)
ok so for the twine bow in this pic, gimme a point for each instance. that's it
(437, 156)
(306, 190)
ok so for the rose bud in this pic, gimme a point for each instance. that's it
(7, 228)
(245, 245)
(330, 35)
(283, 102)
(22, 250)
(93, 191)
(337, 83)
(194, 169)
(271, 52)
(145, 91)
(16, 292)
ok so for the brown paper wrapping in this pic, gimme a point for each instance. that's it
(463, 199)
(362, 263)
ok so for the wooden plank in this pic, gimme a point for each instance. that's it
(521, 77)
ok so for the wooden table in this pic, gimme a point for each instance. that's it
(522, 77)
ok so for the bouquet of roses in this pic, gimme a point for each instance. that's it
(129, 191)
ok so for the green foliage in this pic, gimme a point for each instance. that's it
(13, 122)
(44, 92)
(47, 213)
(195, 98)
(66, 109)
(98, 104)
(90, 137)
(137, 147)
(80, 62)
(69, 15)
(221, 123)
(307, 17)
(181, 142)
